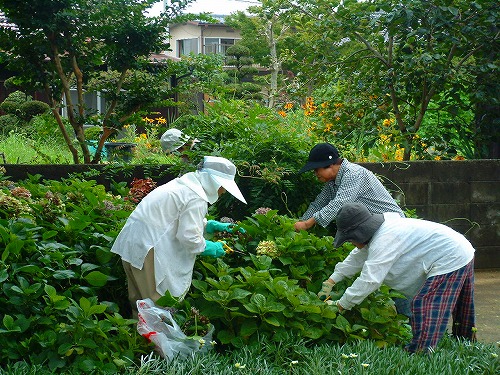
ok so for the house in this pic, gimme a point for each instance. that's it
(199, 37)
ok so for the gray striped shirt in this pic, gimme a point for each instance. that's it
(353, 183)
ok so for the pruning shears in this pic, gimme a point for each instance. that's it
(229, 250)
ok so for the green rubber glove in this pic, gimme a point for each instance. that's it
(326, 288)
(216, 226)
(214, 249)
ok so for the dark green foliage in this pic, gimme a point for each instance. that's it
(270, 292)
(8, 123)
(62, 290)
(32, 108)
(267, 152)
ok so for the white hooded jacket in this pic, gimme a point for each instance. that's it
(171, 220)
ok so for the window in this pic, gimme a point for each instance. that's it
(187, 46)
(218, 45)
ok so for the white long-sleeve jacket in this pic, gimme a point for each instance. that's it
(402, 254)
(169, 219)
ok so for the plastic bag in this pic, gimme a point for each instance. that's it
(157, 325)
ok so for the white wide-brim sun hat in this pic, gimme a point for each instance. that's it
(223, 172)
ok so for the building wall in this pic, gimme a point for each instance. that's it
(462, 194)
(191, 30)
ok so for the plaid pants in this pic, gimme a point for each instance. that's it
(442, 297)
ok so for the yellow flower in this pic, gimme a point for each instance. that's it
(288, 105)
(365, 365)
(437, 157)
(338, 105)
(324, 104)
(282, 113)
(161, 120)
(387, 122)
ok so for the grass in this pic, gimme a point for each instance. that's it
(18, 148)
(295, 357)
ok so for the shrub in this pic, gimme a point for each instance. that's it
(56, 261)
(267, 294)
(18, 97)
(32, 108)
(267, 151)
(8, 123)
(10, 107)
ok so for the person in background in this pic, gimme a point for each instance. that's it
(430, 263)
(160, 240)
(344, 182)
(174, 140)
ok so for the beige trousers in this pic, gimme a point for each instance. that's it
(141, 283)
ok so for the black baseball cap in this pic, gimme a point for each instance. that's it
(322, 155)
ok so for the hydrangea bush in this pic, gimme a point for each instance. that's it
(63, 298)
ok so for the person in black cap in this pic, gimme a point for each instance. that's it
(345, 182)
(430, 263)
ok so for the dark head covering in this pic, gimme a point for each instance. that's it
(356, 223)
(322, 155)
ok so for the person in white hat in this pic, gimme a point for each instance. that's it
(430, 263)
(160, 240)
(175, 140)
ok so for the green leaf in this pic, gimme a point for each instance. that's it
(64, 274)
(49, 234)
(96, 278)
(86, 267)
(8, 322)
(31, 269)
(103, 254)
(251, 308)
(239, 293)
(258, 300)
(248, 327)
(97, 309)
(92, 198)
(200, 285)
(342, 324)
(313, 332)
(4, 275)
(272, 320)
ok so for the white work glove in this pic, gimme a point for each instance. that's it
(326, 288)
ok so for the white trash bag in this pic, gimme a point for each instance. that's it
(157, 325)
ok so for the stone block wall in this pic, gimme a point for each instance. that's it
(462, 194)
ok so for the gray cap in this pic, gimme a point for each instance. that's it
(356, 223)
(172, 140)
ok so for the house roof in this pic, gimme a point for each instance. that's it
(162, 58)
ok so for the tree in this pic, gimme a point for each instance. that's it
(413, 53)
(57, 44)
(262, 32)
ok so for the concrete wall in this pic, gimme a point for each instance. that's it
(462, 194)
